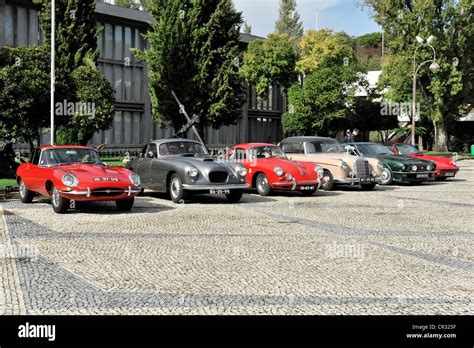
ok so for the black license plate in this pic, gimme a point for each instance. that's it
(219, 192)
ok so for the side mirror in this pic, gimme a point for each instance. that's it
(105, 164)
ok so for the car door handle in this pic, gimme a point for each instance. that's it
(27, 168)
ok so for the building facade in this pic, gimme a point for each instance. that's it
(133, 126)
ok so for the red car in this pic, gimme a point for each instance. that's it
(75, 173)
(269, 169)
(445, 167)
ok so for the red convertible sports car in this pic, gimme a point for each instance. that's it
(269, 169)
(445, 167)
(75, 173)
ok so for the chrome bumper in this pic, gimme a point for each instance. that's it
(357, 181)
(88, 192)
(215, 187)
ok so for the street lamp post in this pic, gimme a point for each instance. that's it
(434, 66)
(53, 72)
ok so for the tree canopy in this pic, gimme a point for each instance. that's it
(289, 21)
(195, 52)
(78, 80)
(270, 61)
(446, 94)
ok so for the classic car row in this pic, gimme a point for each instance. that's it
(183, 167)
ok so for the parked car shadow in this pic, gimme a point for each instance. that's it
(108, 208)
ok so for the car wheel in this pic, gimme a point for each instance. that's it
(60, 204)
(308, 193)
(386, 177)
(263, 185)
(235, 196)
(327, 181)
(26, 195)
(177, 192)
(368, 187)
(125, 204)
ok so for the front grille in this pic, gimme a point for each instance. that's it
(362, 169)
(107, 192)
(218, 177)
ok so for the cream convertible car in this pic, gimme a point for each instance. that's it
(340, 166)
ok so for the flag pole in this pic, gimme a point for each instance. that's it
(53, 57)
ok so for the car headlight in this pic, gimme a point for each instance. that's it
(193, 172)
(70, 180)
(242, 171)
(135, 179)
(278, 171)
(320, 171)
(414, 168)
(344, 166)
(429, 167)
(380, 165)
(289, 176)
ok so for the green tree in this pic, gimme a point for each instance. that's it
(448, 93)
(324, 47)
(76, 52)
(289, 21)
(322, 101)
(195, 52)
(24, 90)
(270, 61)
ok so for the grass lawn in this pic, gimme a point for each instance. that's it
(114, 161)
(8, 182)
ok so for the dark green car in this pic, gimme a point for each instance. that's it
(397, 168)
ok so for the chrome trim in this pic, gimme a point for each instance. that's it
(88, 192)
(357, 180)
(215, 187)
(413, 173)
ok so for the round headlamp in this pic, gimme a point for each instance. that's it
(429, 167)
(135, 179)
(344, 166)
(242, 171)
(289, 176)
(380, 165)
(278, 171)
(70, 180)
(193, 172)
(414, 168)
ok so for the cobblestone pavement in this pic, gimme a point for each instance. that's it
(397, 250)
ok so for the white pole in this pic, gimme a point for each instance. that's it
(53, 57)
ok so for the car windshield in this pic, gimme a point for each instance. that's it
(63, 156)
(324, 146)
(407, 149)
(266, 152)
(374, 149)
(182, 148)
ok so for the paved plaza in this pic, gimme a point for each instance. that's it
(406, 249)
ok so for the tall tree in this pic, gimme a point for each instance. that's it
(76, 51)
(289, 21)
(270, 61)
(446, 94)
(195, 52)
(322, 101)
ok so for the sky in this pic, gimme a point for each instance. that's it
(339, 15)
